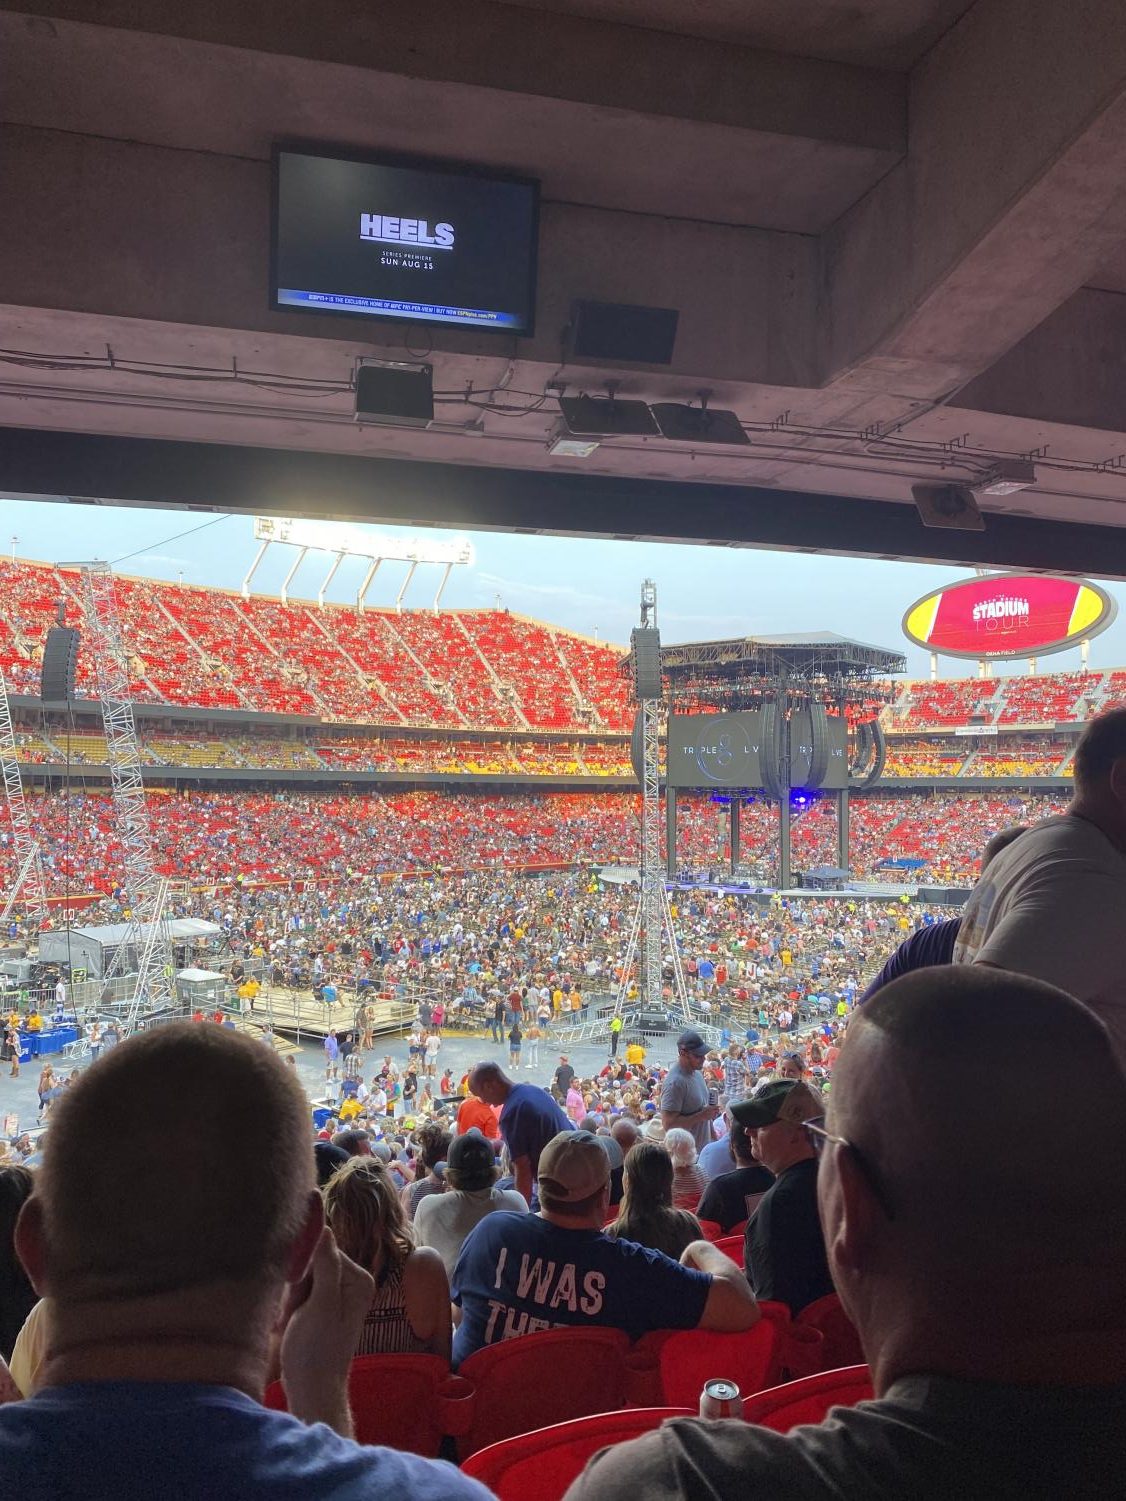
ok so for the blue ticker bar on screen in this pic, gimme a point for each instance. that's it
(342, 302)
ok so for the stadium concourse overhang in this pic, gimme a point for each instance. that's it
(895, 236)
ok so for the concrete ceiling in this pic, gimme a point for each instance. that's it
(892, 34)
(895, 232)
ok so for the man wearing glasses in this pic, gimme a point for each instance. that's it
(784, 1248)
(976, 1228)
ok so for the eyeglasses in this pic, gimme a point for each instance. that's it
(819, 1138)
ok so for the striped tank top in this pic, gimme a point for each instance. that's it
(386, 1328)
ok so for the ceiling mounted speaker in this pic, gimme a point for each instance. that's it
(702, 424)
(623, 331)
(395, 395)
(606, 417)
(950, 506)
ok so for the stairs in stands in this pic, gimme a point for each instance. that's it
(372, 683)
(308, 685)
(441, 691)
(504, 693)
(585, 710)
(195, 646)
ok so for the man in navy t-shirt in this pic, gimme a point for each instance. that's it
(521, 1273)
(529, 1118)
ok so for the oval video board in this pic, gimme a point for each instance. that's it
(1009, 615)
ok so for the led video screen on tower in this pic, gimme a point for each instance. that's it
(371, 238)
(714, 750)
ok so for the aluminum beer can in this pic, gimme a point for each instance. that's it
(720, 1399)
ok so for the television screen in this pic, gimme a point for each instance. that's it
(420, 244)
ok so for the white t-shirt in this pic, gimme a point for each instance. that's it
(444, 1220)
(1053, 906)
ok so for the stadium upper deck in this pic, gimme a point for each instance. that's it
(211, 649)
(464, 693)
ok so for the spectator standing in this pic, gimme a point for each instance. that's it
(433, 1048)
(332, 1056)
(1051, 905)
(684, 1096)
(736, 1076)
(532, 1034)
(515, 1040)
(529, 1118)
(563, 1078)
(12, 1038)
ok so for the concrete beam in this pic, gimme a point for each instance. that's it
(1009, 197)
(1070, 370)
(507, 48)
(144, 232)
(217, 477)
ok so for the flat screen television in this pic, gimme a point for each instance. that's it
(378, 238)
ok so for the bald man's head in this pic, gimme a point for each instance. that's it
(489, 1083)
(985, 1112)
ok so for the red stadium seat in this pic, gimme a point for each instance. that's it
(808, 1400)
(752, 1359)
(540, 1466)
(712, 1229)
(404, 1401)
(841, 1345)
(558, 1374)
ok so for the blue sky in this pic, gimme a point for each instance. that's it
(588, 586)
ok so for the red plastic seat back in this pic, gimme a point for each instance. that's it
(752, 1359)
(540, 1466)
(808, 1400)
(841, 1343)
(712, 1229)
(404, 1401)
(538, 1379)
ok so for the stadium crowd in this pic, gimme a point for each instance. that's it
(935, 1164)
(210, 838)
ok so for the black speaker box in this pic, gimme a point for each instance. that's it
(687, 424)
(56, 673)
(623, 331)
(396, 395)
(606, 417)
(645, 643)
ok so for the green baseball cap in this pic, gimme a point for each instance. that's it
(781, 1100)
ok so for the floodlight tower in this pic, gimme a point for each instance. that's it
(653, 917)
(146, 892)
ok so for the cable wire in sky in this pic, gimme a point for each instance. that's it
(166, 540)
